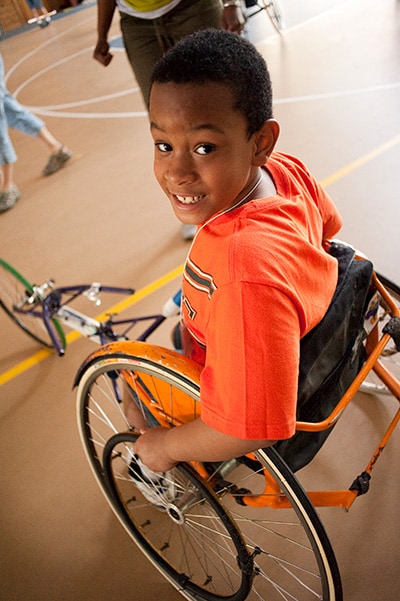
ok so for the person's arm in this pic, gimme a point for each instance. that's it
(162, 448)
(105, 13)
(232, 16)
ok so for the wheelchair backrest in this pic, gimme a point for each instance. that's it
(331, 355)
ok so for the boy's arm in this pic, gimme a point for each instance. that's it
(105, 13)
(332, 219)
(162, 448)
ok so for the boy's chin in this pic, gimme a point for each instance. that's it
(186, 220)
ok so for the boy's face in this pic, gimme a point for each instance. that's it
(204, 160)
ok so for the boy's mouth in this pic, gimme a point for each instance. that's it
(189, 200)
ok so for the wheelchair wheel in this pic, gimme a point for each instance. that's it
(275, 14)
(180, 525)
(198, 530)
(15, 291)
(390, 356)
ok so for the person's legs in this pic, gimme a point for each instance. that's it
(8, 157)
(18, 117)
(56, 161)
(143, 49)
(190, 16)
(10, 193)
(146, 40)
(7, 176)
(37, 8)
(59, 155)
(44, 11)
(49, 140)
(7, 152)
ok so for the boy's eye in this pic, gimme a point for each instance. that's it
(205, 148)
(163, 147)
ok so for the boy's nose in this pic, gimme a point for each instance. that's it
(180, 172)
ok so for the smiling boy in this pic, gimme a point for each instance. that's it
(257, 277)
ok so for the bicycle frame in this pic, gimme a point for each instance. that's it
(53, 310)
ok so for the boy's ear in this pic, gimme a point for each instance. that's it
(265, 140)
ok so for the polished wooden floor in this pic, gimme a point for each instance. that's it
(336, 76)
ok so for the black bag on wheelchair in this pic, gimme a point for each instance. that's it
(331, 355)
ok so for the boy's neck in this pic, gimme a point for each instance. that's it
(266, 186)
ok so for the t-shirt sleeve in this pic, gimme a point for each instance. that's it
(331, 219)
(249, 381)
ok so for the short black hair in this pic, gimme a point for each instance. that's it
(220, 56)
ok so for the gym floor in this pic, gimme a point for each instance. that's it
(336, 75)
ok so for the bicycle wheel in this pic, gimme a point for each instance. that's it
(390, 356)
(275, 14)
(288, 552)
(15, 291)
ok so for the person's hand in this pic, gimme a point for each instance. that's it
(151, 448)
(102, 54)
(233, 19)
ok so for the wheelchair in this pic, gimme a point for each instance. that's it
(244, 528)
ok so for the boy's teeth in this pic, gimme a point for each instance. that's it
(188, 199)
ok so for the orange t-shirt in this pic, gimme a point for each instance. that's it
(256, 280)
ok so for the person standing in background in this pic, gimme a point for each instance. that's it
(16, 116)
(150, 27)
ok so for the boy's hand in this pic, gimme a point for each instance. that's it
(151, 448)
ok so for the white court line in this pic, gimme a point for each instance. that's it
(29, 55)
(325, 13)
(59, 110)
(328, 95)
(66, 115)
(53, 111)
(69, 105)
(321, 15)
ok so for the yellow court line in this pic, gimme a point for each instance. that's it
(43, 354)
(118, 308)
(361, 161)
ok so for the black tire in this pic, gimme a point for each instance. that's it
(186, 532)
(15, 291)
(291, 554)
(390, 356)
